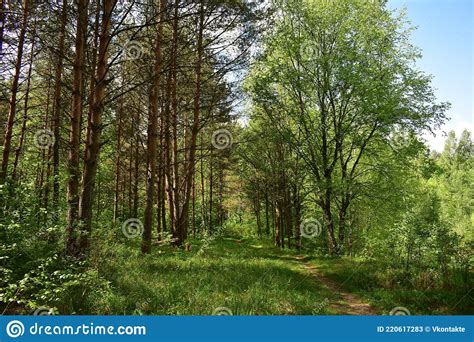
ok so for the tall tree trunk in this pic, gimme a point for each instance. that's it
(190, 168)
(75, 131)
(168, 161)
(278, 228)
(14, 90)
(130, 174)
(178, 233)
(40, 175)
(211, 183)
(93, 139)
(194, 206)
(297, 205)
(152, 139)
(221, 194)
(288, 214)
(267, 218)
(57, 105)
(256, 208)
(136, 176)
(118, 154)
(25, 112)
(203, 188)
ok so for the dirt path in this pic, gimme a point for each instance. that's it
(349, 304)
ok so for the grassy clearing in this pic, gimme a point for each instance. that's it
(250, 277)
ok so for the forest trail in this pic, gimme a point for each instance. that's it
(349, 304)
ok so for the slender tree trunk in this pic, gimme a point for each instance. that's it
(14, 90)
(158, 198)
(288, 214)
(47, 184)
(25, 112)
(221, 194)
(211, 182)
(93, 140)
(130, 175)
(267, 218)
(194, 206)
(190, 168)
(75, 131)
(57, 105)
(168, 161)
(40, 176)
(136, 176)
(152, 139)
(118, 155)
(278, 228)
(297, 205)
(257, 214)
(203, 188)
(178, 232)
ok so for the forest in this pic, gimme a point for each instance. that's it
(227, 157)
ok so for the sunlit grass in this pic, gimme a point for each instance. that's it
(249, 277)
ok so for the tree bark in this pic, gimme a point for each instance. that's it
(57, 105)
(178, 232)
(72, 234)
(190, 168)
(152, 139)
(25, 112)
(93, 139)
(14, 91)
(118, 154)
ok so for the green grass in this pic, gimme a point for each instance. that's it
(247, 276)
(376, 286)
(252, 277)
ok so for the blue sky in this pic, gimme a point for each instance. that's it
(445, 35)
